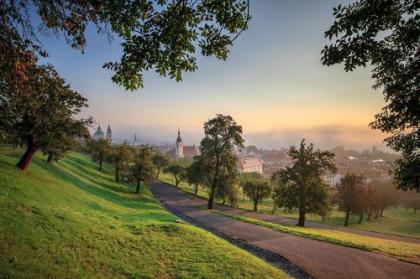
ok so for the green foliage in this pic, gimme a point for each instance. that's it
(143, 169)
(178, 171)
(160, 162)
(350, 195)
(256, 187)
(100, 150)
(41, 110)
(300, 185)
(386, 35)
(221, 136)
(68, 220)
(195, 174)
(156, 35)
(121, 156)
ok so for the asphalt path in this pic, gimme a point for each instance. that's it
(317, 258)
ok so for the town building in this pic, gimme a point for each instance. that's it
(250, 164)
(99, 134)
(181, 151)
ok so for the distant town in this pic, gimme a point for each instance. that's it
(373, 164)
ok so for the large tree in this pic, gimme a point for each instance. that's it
(40, 109)
(143, 169)
(256, 187)
(385, 34)
(155, 35)
(300, 186)
(222, 135)
(349, 195)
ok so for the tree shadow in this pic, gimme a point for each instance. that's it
(75, 178)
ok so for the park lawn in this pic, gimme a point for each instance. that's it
(396, 221)
(69, 220)
(409, 252)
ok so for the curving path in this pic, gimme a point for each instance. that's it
(319, 259)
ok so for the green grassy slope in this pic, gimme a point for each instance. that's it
(71, 221)
(397, 221)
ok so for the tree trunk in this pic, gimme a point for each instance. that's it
(301, 222)
(382, 213)
(26, 159)
(158, 172)
(255, 205)
(346, 220)
(100, 165)
(274, 209)
(211, 199)
(176, 182)
(50, 158)
(360, 219)
(376, 214)
(196, 189)
(138, 186)
(117, 175)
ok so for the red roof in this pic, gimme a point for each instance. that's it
(190, 151)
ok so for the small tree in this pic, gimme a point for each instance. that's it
(222, 135)
(100, 150)
(256, 187)
(121, 157)
(177, 170)
(348, 195)
(160, 162)
(195, 175)
(301, 185)
(143, 169)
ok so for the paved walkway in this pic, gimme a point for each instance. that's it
(319, 259)
(291, 221)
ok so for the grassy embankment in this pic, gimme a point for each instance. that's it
(70, 221)
(397, 221)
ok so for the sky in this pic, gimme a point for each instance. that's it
(272, 84)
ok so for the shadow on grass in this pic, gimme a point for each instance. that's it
(134, 202)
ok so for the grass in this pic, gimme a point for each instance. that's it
(396, 221)
(68, 220)
(409, 252)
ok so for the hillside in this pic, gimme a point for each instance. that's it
(69, 220)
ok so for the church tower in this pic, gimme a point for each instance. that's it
(179, 147)
(109, 134)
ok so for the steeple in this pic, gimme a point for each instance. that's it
(109, 134)
(179, 147)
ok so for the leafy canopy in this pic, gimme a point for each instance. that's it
(160, 35)
(385, 34)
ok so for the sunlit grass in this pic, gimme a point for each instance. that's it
(68, 220)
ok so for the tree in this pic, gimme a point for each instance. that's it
(121, 157)
(177, 170)
(40, 109)
(160, 162)
(143, 169)
(156, 35)
(301, 185)
(195, 175)
(221, 136)
(385, 34)
(255, 187)
(348, 195)
(100, 150)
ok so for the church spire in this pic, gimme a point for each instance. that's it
(178, 139)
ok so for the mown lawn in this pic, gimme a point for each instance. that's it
(397, 221)
(68, 220)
